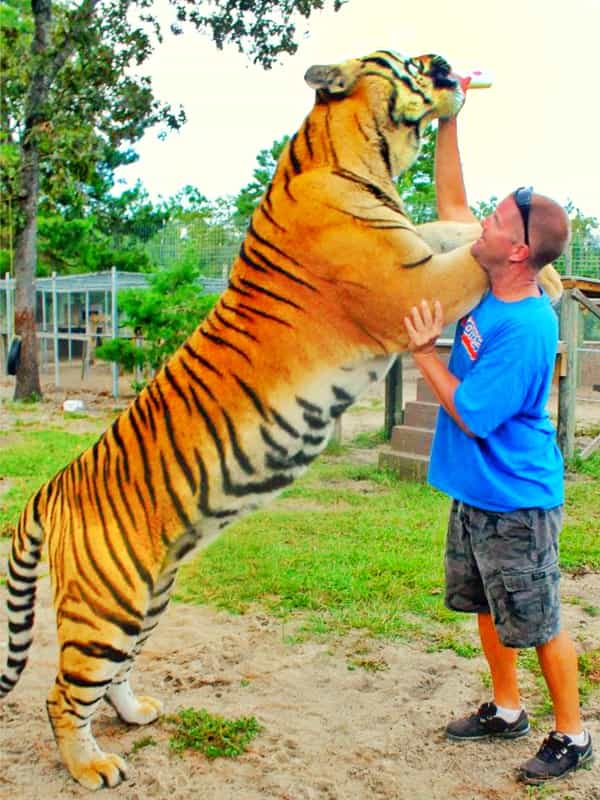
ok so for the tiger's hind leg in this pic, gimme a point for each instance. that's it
(85, 674)
(140, 710)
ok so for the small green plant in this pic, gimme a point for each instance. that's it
(460, 647)
(368, 664)
(589, 673)
(335, 448)
(145, 741)
(212, 735)
(369, 439)
(539, 792)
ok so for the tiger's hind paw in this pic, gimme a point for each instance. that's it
(145, 710)
(132, 709)
(105, 771)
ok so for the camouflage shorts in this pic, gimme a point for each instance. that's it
(506, 564)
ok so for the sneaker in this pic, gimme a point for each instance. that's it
(485, 724)
(557, 756)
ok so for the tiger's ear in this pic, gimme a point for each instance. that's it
(335, 79)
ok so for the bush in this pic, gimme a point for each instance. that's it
(163, 315)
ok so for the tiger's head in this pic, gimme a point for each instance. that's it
(403, 95)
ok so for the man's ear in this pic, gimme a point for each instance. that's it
(519, 252)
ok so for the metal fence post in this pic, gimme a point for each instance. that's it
(55, 331)
(115, 328)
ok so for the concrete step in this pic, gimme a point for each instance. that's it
(420, 415)
(409, 439)
(406, 465)
(424, 393)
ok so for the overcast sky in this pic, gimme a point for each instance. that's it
(538, 124)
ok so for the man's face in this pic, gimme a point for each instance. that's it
(501, 232)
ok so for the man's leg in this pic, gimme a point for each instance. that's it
(502, 662)
(558, 661)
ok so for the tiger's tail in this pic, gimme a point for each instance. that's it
(22, 576)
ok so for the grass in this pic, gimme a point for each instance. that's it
(368, 439)
(370, 556)
(210, 734)
(32, 460)
(347, 546)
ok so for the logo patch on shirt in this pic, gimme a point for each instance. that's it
(471, 338)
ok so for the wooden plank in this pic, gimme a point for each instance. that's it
(586, 302)
(567, 384)
(590, 286)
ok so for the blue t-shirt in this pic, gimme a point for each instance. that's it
(503, 356)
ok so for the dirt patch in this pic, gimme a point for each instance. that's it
(330, 731)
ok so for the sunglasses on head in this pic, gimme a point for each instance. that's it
(522, 197)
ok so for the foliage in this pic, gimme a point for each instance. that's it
(196, 231)
(92, 102)
(248, 197)
(263, 30)
(163, 325)
(75, 102)
(211, 734)
(97, 103)
(80, 245)
(416, 185)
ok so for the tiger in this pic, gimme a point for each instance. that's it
(311, 317)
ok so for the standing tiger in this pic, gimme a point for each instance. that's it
(311, 317)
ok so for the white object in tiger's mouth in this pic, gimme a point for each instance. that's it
(479, 79)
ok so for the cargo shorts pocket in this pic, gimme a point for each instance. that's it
(529, 612)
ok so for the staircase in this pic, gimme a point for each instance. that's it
(408, 452)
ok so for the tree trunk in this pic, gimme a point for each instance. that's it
(28, 373)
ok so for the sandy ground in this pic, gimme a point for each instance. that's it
(329, 732)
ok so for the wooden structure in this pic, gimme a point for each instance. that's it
(578, 293)
(409, 426)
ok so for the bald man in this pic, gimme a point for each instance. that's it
(495, 453)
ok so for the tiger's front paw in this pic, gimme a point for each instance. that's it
(105, 771)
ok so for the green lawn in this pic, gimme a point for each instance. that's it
(32, 459)
(348, 545)
(356, 547)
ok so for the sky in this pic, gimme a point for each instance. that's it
(538, 124)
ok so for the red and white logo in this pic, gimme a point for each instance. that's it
(471, 338)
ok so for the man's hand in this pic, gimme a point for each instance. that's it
(423, 327)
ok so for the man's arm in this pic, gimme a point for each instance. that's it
(423, 330)
(451, 195)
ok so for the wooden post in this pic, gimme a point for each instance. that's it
(336, 435)
(393, 413)
(567, 384)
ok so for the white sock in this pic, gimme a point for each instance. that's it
(508, 714)
(580, 739)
